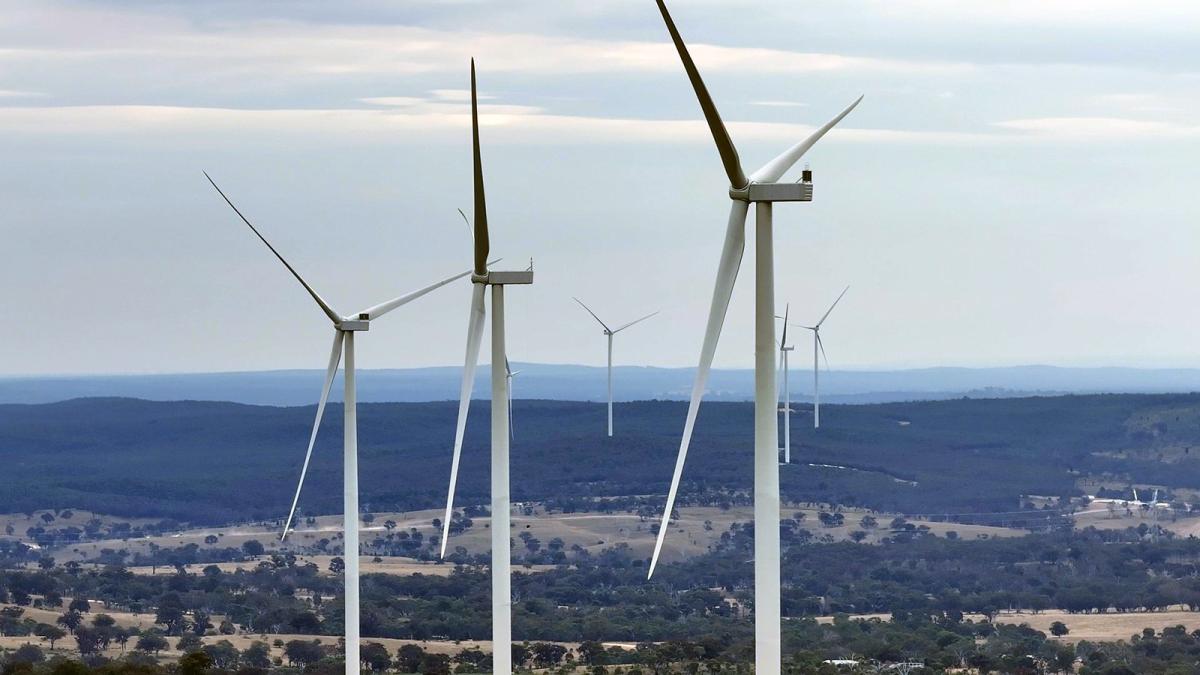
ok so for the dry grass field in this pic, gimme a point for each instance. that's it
(693, 533)
(1103, 627)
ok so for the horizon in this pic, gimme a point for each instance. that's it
(799, 368)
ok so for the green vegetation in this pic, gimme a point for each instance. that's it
(127, 457)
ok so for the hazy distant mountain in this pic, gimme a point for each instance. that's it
(586, 383)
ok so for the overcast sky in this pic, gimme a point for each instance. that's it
(1020, 184)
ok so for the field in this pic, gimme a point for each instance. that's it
(696, 529)
(1108, 627)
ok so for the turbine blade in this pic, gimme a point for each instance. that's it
(773, 170)
(512, 432)
(507, 368)
(482, 246)
(335, 357)
(830, 310)
(470, 228)
(821, 345)
(786, 310)
(729, 154)
(379, 310)
(474, 338)
(589, 311)
(333, 316)
(631, 323)
(727, 271)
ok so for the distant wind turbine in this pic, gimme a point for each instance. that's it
(784, 350)
(343, 342)
(609, 333)
(509, 374)
(762, 189)
(500, 527)
(818, 345)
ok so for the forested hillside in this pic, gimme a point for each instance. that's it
(219, 462)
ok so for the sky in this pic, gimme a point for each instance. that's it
(1019, 185)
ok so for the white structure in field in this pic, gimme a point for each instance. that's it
(344, 328)
(762, 189)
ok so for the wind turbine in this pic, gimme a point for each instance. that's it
(343, 343)
(609, 333)
(509, 374)
(784, 350)
(762, 189)
(483, 278)
(820, 346)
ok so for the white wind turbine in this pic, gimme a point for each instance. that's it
(820, 346)
(761, 188)
(482, 278)
(609, 333)
(784, 350)
(509, 374)
(343, 341)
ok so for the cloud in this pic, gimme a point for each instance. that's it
(297, 48)
(1100, 129)
(510, 123)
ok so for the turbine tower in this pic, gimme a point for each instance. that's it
(820, 346)
(482, 279)
(344, 328)
(609, 333)
(762, 189)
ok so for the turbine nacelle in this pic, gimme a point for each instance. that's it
(498, 278)
(354, 325)
(773, 192)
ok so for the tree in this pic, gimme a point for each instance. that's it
(303, 653)
(211, 539)
(591, 653)
(337, 566)
(257, 655)
(189, 643)
(27, 653)
(80, 605)
(474, 657)
(151, 642)
(547, 655)
(376, 657)
(195, 663)
(89, 640)
(408, 658)
(49, 633)
(1059, 629)
(520, 654)
(435, 664)
(253, 548)
(70, 620)
(223, 654)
